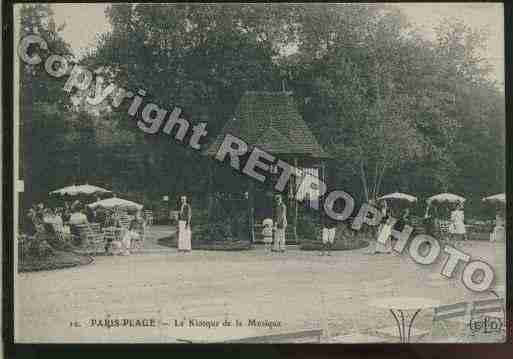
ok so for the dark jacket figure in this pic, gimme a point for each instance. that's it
(101, 217)
(90, 214)
(184, 226)
(280, 216)
(185, 214)
(402, 221)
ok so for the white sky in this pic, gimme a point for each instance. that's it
(85, 21)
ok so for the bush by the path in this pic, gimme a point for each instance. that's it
(345, 239)
(172, 241)
(337, 246)
(44, 252)
(58, 260)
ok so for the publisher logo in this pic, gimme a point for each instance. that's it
(487, 325)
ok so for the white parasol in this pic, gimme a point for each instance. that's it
(115, 202)
(445, 197)
(399, 196)
(498, 198)
(80, 189)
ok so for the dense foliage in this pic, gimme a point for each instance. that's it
(397, 111)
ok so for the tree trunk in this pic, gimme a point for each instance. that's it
(364, 181)
(251, 215)
(294, 228)
(376, 175)
(210, 189)
(381, 177)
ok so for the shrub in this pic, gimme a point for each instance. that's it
(219, 231)
(23, 246)
(226, 228)
(208, 244)
(308, 228)
(58, 244)
(39, 247)
(339, 245)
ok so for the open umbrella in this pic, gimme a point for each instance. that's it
(86, 189)
(115, 202)
(497, 198)
(399, 196)
(445, 197)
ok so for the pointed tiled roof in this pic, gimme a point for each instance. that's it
(271, 122)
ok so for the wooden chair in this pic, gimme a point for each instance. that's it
(148, 215)
(443, 227)
(59, 232)
(140, 229)
(489, 312)
(91, 237)
(418, 225)
(460, 316)
(124, 221)
(449, 323)
(111, 236)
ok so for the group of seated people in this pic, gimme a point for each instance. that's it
(69, 219)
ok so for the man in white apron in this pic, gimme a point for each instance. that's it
(184, 226)
(457, 228)
(280, 224)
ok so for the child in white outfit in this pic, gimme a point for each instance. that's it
(267, 232)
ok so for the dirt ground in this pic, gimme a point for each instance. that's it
(281, 292)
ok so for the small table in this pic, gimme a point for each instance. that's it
(397, 305)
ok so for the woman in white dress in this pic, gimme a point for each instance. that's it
(457, 227)
(184, 226)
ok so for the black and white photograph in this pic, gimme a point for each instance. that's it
(196, 173)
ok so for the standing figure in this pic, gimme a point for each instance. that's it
(457, 227)
(280, 224)
(499, 233)
(76, 219)
(129, 236)
(77, 216)
(328, 234)
(403, 220)
(184, 226)
(32, 222)
(267, 232)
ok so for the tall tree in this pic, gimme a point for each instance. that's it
(41, 107)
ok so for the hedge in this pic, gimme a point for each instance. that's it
(172, 242)
(337, 245)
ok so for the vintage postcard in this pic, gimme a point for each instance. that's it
(259, 173)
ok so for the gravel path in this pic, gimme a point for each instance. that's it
(298, 289)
